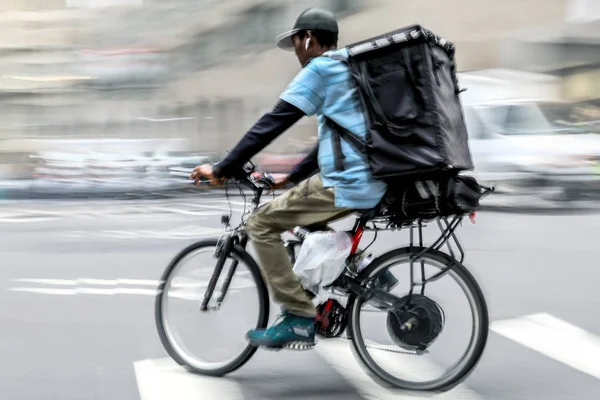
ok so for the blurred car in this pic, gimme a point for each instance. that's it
(110, 171)
(514, 145)
(578, 117)
(280, 163)
(179, 165)
(60, 166)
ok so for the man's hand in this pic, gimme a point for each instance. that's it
(205, 170)
(281, 180)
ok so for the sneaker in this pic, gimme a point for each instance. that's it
(289, 331)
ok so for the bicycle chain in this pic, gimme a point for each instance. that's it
(410, 353)
(389, 350)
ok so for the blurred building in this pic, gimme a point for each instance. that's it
(569, 49)
(248, 82)
(204, 70)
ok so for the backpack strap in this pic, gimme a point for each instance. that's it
(336, 146)
(337, 133)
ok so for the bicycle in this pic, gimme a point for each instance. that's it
(414, 321)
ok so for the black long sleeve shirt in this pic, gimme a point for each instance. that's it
(267, 129)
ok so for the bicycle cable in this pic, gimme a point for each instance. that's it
(228, 201)
(245, 201)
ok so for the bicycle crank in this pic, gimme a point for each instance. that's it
(332, 319)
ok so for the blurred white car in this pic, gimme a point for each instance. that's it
(515, 146)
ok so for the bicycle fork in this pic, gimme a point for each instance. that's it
(225, 251)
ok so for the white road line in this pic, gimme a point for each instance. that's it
(117, 234)
(556, 339)
(61, 282)
(91, 281)
(88, 281)
(140, 291)
(182, 295)
(97, 291)
(146, 282)
(184, 211)
(186, 290)
(217, 206)
(86, 290)
(28, 219)
(118, 282)
(56, 213)
(212, 208)
(338, 354)
(162, 379)
(175, 234)
(56, 291)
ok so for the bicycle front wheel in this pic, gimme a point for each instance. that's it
(434, 335)
(210, 342)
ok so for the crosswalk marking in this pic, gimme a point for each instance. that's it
(556, 339)
(162, 379)
(338, 354)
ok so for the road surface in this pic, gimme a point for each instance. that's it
(77, 288)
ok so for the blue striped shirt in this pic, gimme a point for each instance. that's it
(325, 87)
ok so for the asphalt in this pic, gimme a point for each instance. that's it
(88, 344)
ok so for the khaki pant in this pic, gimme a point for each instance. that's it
(307, 204)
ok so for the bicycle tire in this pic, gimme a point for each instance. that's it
(478, 348)
(262, 320)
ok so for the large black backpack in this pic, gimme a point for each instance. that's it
(407, 84)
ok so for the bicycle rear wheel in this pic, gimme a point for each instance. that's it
(405, 362)
(177, 308)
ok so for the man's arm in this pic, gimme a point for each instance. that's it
(267, 129)
(304, 96)
(306, 167)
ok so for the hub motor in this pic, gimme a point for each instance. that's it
(416, 323)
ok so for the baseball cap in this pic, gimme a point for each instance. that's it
(310, 19)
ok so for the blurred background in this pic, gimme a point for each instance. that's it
(107, 105)
(107, 97)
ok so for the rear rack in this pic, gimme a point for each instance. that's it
(446, 224)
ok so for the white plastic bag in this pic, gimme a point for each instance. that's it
(321, 259)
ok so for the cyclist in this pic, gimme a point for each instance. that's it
(322, 87)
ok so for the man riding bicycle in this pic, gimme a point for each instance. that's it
(323, 88)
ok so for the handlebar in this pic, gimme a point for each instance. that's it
(255, 181)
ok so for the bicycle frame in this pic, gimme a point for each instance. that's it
(350, 282)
